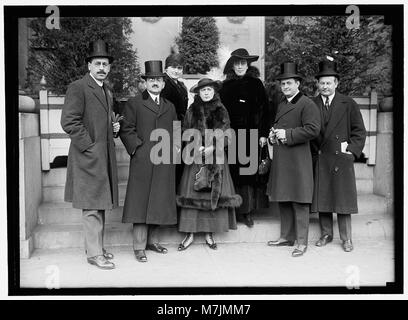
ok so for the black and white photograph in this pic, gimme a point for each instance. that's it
(203, 150)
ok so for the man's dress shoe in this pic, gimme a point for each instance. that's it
(281, 243)
(156, 247)
(107, 254)
(347, 246)
(324, 240)
(140, 255)
(101, 262)
(299, 251)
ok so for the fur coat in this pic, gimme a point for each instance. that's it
(208, 115)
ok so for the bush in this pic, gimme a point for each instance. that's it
(363, 55)
(60, 55)
(198, 42)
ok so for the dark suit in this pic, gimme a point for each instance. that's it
(334, 178)
(91, 182)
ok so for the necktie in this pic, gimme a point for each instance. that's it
(326, 110)
(156, 100)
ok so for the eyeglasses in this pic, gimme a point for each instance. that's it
(154, 80)
(99, 63)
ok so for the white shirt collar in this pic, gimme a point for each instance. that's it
(99, 83)
(291, 98)
(330, 98)
(154, 96)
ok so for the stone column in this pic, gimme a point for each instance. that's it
(384, 168)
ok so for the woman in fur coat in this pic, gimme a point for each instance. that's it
(244, 96)
(211, 210)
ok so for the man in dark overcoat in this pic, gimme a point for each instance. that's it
(150, 196)
(91, 183)
(340, 142)
(291, 179)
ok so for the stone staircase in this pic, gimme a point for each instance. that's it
(59, 225)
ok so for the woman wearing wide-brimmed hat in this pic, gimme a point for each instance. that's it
(212, 209)
(244, 96)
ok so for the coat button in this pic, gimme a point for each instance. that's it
(337, 136)
(337, 152)
(320, 151)
(336, 169)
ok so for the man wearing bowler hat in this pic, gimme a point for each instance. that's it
(150, 196)
(91, 183)
(290, 182)
(340, 142)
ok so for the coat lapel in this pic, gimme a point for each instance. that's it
(97, 91)
(285, 106)
(149, 103)
(336, 115)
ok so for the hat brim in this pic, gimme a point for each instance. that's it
(229, 63)
(215, 84)
(327, 74)
(289, 76)
(153, 75)
(110, 58)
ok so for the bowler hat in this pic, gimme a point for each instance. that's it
(327, 68)
(98, 49)
(153, 69)
(289, 70)
(238, 54)
(204, 82)
(175, 59)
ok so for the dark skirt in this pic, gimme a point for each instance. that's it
(197, 220)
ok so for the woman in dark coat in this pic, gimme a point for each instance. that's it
(244, 96)
(176, 92)
(210, 210)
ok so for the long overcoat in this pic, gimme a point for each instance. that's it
(247, 105)
(291, 176)
(176, 93)
(92, 181)
(334, 177)
(151, 193)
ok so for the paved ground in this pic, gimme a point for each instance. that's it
(234, 264)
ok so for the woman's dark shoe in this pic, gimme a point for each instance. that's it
(140, 255)
(210, 241)
(187, 241)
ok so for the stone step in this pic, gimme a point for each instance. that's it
(56, 193)
(363, 171)
(267, 227)
(364, 186)
(63, 213)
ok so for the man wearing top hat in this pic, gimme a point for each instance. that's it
(340, 142)
(91, 183)
(290, 183)
(150, 196)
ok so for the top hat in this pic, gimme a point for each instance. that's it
(204, 82)
(238, 54)
(175, 59)
(98, 49)
(289, 70)
(153, 69)
(327, 68)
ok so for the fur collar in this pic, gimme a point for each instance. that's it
(252, 72)
(211, 114)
